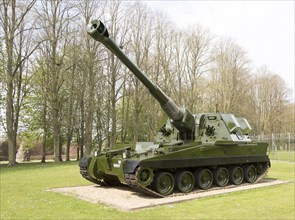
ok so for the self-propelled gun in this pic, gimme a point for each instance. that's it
(190, 152)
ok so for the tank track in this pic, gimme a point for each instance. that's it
(131, 181)
(84, 173)
(107, 181)
(263, 174)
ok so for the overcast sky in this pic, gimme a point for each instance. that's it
(265, 29)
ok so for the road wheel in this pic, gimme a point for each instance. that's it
(144, 176)
(204, 178)
(236, 175)
(164, 183)
(185, 181)
(221, 176)
(250, 173)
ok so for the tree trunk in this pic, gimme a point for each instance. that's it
(56, 134)
(123, 112)
(81, 146)
(9, 41)
(136, 111)
(11, 134)
(44, 147)
(113, 103)
(90, 113)
(78, 153)
(126, 130)
(60, 148)
(44, 131)
(69, 140)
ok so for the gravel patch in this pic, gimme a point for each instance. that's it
(124, 199)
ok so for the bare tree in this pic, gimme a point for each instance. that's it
(229, 75)
(118, 27)
(197, 48)
(18, 48)
(179, 54)
(269, 100)
(55, 17)
(72, 86)
(141, 44)
(40, 83)
(90, 68)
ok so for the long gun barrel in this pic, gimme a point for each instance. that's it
(183, 120)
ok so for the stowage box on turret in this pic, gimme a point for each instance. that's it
(191, 151)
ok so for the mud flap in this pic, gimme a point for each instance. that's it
(84, 162)
(130, 166)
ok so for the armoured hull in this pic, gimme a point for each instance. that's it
(185, 168)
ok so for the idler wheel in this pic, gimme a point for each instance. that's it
(164, 183)
(261, 168)
(221, 176)
(185, 181)
(204, 178)
(144, 176)
(236, 175)
(250, 173)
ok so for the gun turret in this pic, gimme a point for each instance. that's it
(182, 119)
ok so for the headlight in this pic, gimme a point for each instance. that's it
(124, 155)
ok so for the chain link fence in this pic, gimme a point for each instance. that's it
(281, 146)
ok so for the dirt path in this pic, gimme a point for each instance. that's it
(123, 198)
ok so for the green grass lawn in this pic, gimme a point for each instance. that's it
(24, 196)
(282, 155)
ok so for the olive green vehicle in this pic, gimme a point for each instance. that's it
(190, 152)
